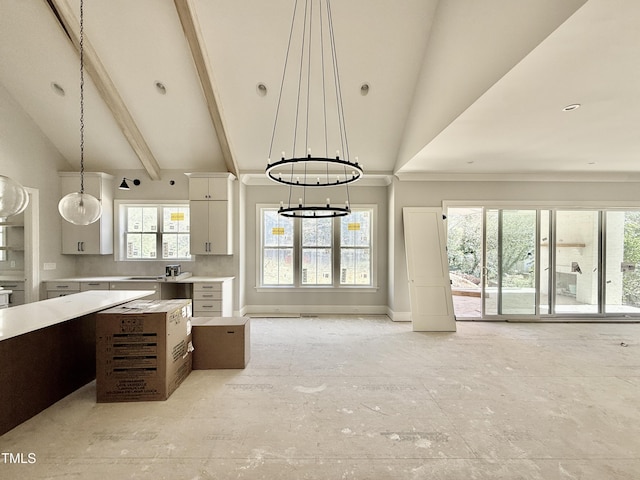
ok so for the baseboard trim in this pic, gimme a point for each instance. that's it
(289, 310)
(399, 316)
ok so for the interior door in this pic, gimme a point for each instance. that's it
(428, 270)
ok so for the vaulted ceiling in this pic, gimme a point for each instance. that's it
(457, 88)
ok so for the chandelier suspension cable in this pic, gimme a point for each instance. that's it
(336, 73)
(307, 169)
(284, 71)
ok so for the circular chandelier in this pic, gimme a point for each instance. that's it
(317, 116)
(80, 208)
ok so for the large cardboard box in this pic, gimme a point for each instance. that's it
(143, 350)
(221, 342)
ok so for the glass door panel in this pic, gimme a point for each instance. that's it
(510, 268)
(518, 239)
(622, 256)
(576, 262)
(544, 263)
(464, 249)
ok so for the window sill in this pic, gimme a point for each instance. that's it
(318, 289)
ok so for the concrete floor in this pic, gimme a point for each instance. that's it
(366, 398)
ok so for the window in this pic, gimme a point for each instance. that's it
(355, 248)
(277, 248)
(154, 232)
(321, 252)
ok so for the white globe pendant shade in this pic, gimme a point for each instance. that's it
(80, 208)
(13, 197)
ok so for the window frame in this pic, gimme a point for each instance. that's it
(120, 230)
(335, 254)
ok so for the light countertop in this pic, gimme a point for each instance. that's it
(147, 278)
(27, 318)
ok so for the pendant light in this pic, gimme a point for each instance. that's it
(80, 208)
(13, 197)
(316, 120)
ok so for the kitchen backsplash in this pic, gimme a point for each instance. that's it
(210, 266)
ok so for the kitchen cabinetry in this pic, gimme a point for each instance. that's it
(12, 242)
(211, 187)
(212, 299)
(16, 297)
(155, 286)
(61, 289)
(97, 238)
(211, 213)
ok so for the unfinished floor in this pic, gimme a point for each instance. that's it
(366, 398)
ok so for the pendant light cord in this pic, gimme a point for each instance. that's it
(81, 97)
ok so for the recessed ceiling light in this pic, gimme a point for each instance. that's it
(57, 88)
(570, 108)
(364, 89)
(261, 89)
(162, 90)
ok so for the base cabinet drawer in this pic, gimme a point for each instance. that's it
(59, 293)
(139, 286)
(85, 286)
(207, 295)
(62, 289)
(211, 306)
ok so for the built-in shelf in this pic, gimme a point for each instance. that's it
(565, 245)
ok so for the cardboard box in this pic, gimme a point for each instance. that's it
(221, 342)
(143, 350)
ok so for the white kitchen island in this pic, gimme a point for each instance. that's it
(48, 350)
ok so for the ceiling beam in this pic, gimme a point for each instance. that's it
(106, 88)
(192, 32)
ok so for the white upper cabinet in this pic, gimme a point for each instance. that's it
(209, 188)
(211, 213)
(96, 238)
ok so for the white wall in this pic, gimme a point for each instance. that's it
(347, 301)
(28, 157)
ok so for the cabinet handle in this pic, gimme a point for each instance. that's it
(63, 286)
(92, 284)
(79, 249)
(82, 245)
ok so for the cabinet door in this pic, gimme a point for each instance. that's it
(209, 188)
(218, 228)
(81, 239)
(199, 188)
(199, 213)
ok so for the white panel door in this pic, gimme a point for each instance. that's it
(428, 270)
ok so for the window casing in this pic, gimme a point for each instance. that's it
(152, 231)
(316, 252)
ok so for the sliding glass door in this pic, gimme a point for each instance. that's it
(544, 263)
(510, 286)
(577, 262)
(622, 256)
